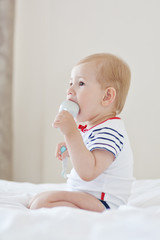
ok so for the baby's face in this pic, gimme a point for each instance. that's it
(86, 91)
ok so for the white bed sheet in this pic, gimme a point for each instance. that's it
(138, 220)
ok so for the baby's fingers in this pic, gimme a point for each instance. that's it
(59, 156)
(65, 154)
(61, 151)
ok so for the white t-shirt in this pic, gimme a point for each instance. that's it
(116, 180)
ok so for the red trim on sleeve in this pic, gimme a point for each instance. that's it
(102, 196)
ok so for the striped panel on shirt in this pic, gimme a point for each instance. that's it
(106, 138)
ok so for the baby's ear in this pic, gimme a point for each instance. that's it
(109, 96)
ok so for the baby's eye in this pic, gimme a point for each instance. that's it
(70, 84)
(81, 83)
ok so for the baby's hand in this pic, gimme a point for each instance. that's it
(65, 122)
(59, 153)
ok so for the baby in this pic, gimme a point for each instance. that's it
(100, 152)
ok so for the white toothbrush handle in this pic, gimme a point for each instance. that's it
(64, 167)
(64, 162)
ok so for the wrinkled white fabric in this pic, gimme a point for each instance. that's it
(139, 219)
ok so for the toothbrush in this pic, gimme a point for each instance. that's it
(64, 162)
(73, 109)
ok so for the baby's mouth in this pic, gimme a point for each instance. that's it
(72, 101)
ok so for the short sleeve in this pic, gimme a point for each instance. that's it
(106, 138)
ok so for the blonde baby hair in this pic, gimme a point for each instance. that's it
(112, 71)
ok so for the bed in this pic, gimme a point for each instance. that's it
(138, 220)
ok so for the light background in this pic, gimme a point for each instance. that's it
(50, 37)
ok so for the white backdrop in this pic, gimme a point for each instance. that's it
(50, 37)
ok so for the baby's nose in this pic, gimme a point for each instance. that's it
(70, 91)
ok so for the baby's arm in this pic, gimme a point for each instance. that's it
(87, 164)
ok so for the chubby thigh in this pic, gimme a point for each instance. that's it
(66, 198)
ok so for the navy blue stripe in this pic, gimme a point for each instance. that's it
(106, 139)
(104, 144)
(104, 203)
(102, 148)
(109, 129)
(111, 135)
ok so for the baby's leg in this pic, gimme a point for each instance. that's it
(64, 198)
(43, 200)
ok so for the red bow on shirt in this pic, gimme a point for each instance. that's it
(82, 128)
